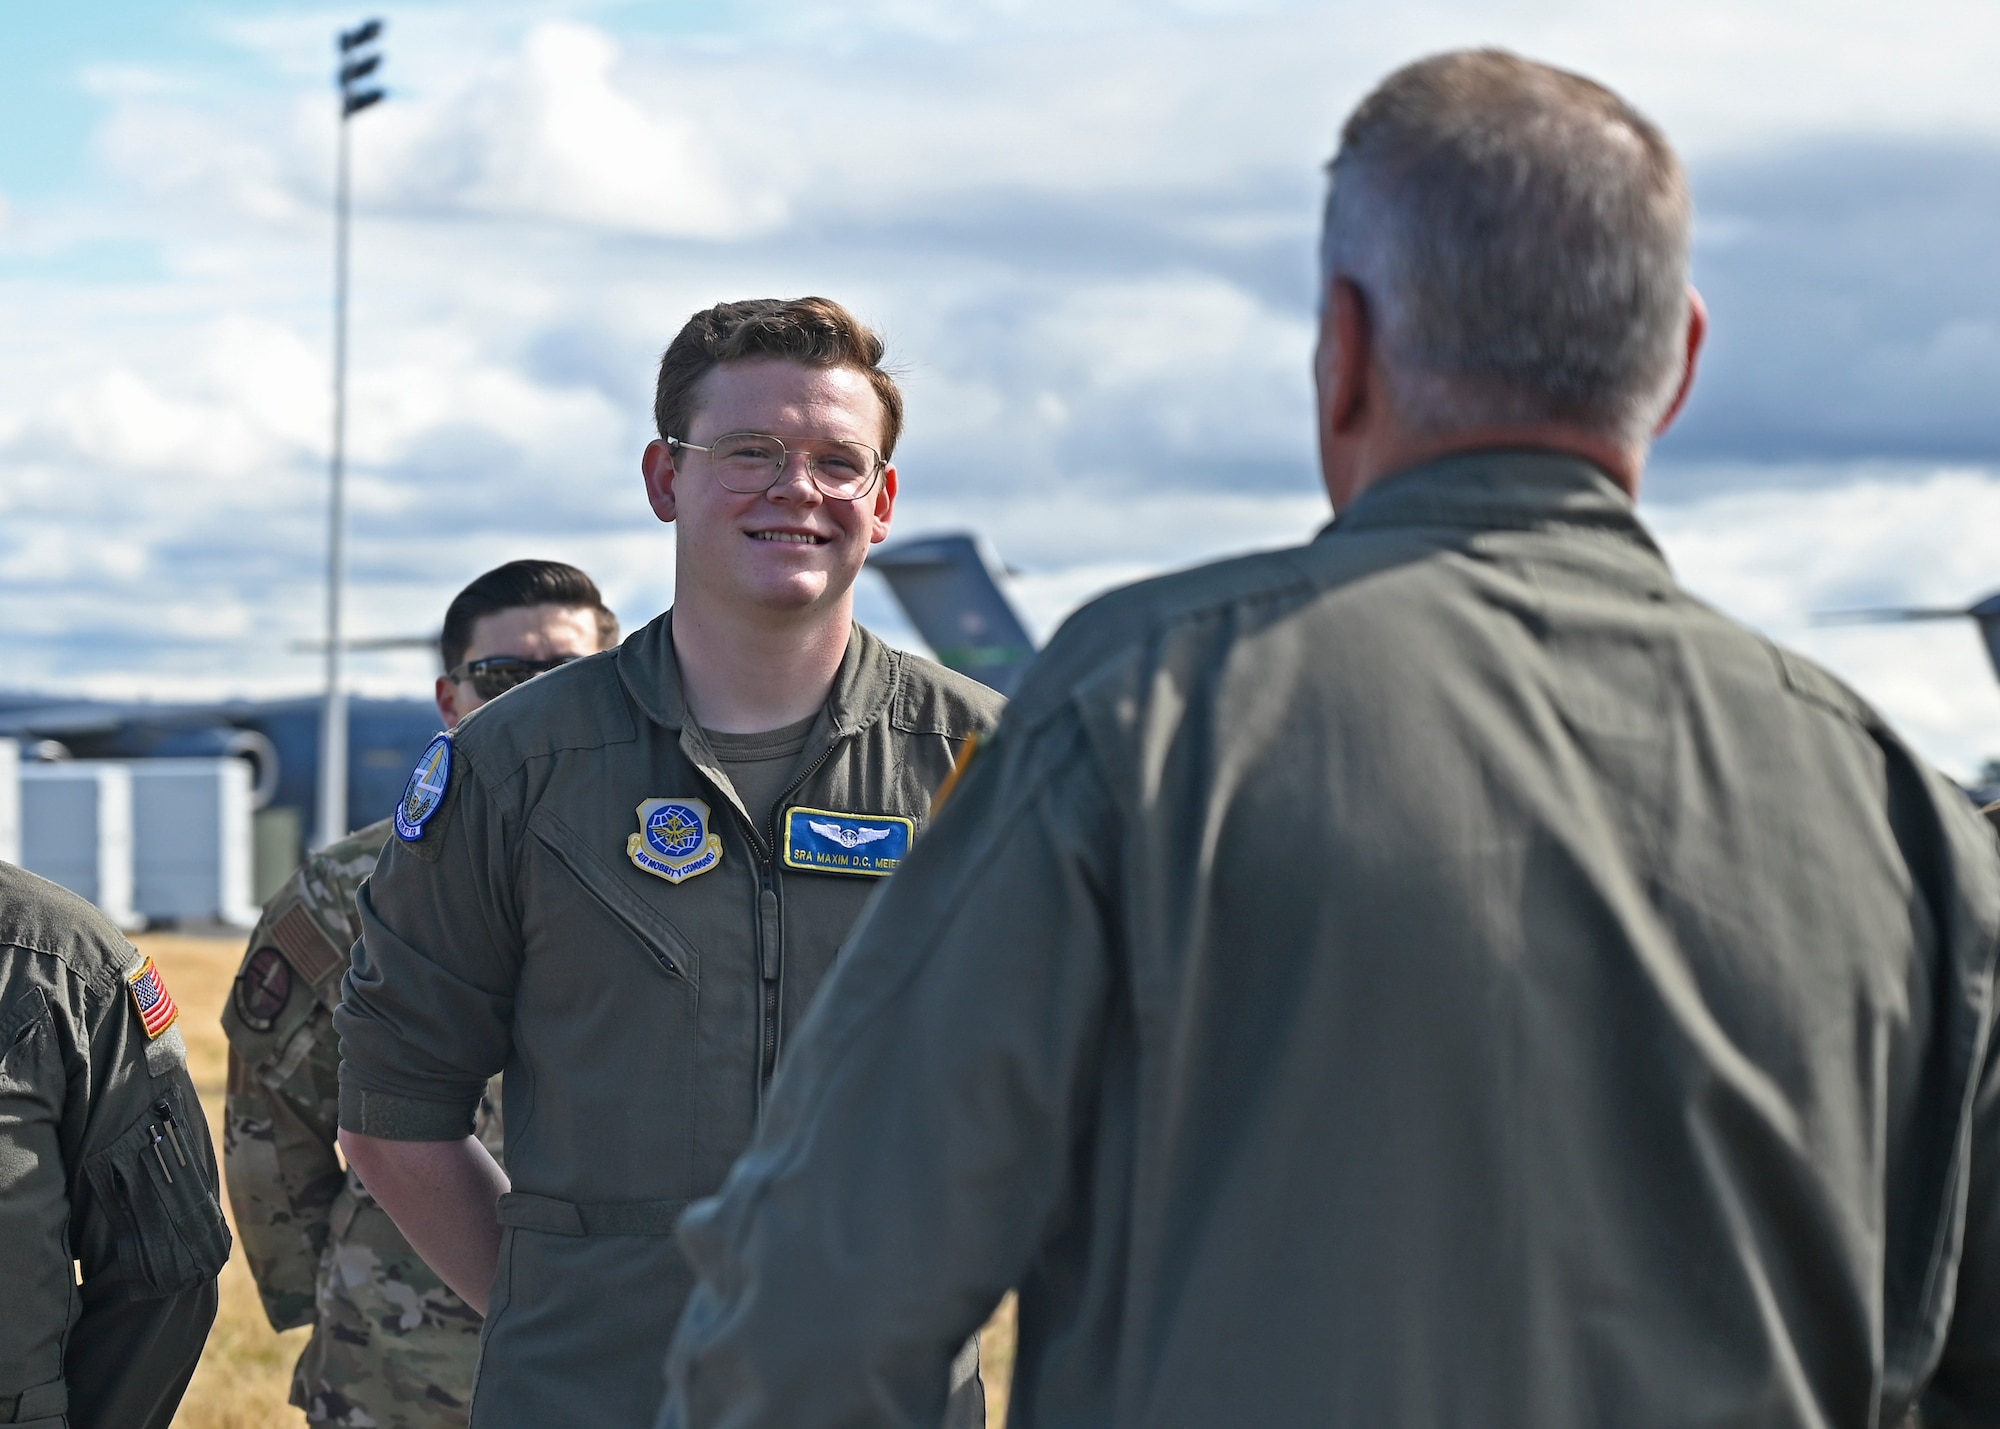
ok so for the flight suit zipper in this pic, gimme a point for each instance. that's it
(767, 940)
(770, 952)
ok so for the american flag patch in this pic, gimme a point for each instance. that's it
(157, 1008)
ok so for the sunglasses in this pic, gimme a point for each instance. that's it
(497, 674)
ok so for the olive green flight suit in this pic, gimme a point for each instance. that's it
(392, 1346)
(1443, 975)
(105, 1168)
(638, 1018)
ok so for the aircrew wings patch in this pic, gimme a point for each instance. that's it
(829, 841)
(157, 1009)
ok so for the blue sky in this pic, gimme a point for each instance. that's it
(1085, 227)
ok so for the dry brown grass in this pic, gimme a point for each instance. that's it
(246, 1371)
(996, 1362)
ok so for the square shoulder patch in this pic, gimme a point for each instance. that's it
(828, 841)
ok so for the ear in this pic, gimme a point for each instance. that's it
(883, 505)
(1354, 355)
(1697, 334)
(657, 465)
(1342, 374)
(446, 694)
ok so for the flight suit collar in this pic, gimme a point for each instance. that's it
(863, 687)
(1503, 488)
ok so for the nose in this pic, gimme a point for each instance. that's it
(795, 480)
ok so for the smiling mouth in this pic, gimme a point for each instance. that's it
(790, 538)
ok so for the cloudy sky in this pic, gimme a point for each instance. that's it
(1084, 225)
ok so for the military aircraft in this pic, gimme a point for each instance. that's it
(949, 585)
(1985, 612)
(278, 738)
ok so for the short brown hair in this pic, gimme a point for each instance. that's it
(814, 332)
(516, 584)
(1522, 235)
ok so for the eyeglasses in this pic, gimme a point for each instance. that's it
(497, 674)
(750, 462)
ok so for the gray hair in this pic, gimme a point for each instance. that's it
(1520, 235)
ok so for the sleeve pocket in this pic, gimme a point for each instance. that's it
(152, 1187)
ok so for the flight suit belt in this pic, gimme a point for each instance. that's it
(526, 1211)
(44, 1401)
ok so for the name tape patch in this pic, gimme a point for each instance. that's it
(828, 841)
(424, 794)
(157, 1009)
(674, 840)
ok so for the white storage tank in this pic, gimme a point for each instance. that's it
(10, 800)
(76, 830)
(191, 840)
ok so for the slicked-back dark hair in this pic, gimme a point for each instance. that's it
(814, 332)
(516, 584)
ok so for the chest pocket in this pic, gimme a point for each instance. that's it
(667, 945)
(152, 1185)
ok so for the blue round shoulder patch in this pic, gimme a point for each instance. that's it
(423, 795)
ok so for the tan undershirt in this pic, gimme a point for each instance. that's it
(761, 765)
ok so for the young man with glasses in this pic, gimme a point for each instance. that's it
(625, 884)
(392, 1347)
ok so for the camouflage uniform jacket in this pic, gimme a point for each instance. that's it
(392, 1345)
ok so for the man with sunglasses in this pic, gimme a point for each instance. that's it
(391, 1346)
(625, 883)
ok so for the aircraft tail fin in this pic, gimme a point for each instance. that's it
(1987, 613)
(950, 588)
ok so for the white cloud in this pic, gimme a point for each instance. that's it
(552, 132)
(1776, 558)
(123, 421)
(1085, 228)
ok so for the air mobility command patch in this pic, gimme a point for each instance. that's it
(157, 1009)
(424, 794)
(674, 841)
(826, 841)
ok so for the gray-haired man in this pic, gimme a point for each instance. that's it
(1443, 975)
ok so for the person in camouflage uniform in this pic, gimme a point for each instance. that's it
(392, 1346)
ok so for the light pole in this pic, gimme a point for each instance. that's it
(357, 62)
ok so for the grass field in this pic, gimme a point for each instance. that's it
(247, 1369)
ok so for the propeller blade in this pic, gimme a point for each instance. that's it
(379, 642)
(1886, 617)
